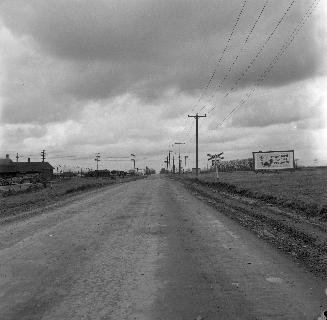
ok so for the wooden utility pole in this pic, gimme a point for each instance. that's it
(185, 157)
(43, 154)
(173, 164)
(166, 162)
(169, 152)
(133, 159)
(179, 156)
(97, 159)
(197, 140)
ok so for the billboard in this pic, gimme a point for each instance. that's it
(273, 160)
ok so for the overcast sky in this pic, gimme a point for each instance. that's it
(119, 77)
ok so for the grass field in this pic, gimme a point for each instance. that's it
(304, 189)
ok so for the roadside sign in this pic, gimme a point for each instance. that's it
(215, 158)
(273, 160)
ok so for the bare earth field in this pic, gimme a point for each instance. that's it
(286, 209)
(59, 190)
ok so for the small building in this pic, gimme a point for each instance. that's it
(8, 168)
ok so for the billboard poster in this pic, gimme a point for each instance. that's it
(273, 160)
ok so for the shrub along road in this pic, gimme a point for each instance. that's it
(148, 250)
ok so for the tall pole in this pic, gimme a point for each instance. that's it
(179, 163)
(197, 141)
(169, 152)
(97, 159)
(133, 155)
(43, 155)
(173, 164)
(179, 156)
(185, 157)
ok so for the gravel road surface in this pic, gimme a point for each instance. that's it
(147, 250)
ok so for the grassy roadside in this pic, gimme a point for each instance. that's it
(303, 237)
(60, 190)
(303, 190)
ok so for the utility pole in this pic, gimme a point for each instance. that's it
(173, 164)
(179, 156)
(185, 157)
(133, 155)
(97, 159)
(197, 140)
(169, 152)
(166, 162)
(43, 154)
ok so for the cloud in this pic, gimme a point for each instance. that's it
(105, 49)
(124, 74)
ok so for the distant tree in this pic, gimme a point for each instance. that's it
(163, 170)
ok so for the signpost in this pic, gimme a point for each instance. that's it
(215, 158)
(273, 160)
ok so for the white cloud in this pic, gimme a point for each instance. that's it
(121, 77)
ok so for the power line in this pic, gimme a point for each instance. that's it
(204, 90)
(276, 58)
(222, 54)
(241, 49)
(259, 52)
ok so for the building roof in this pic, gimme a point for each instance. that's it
(33, 166)
(25, 167)
(6, 161)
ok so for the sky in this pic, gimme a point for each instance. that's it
(80, 77)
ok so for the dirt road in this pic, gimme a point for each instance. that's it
(147, 250)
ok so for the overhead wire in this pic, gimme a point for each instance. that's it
(204, 90)
(258, 53)
(222, 54)
(274, 61)
(230, 68)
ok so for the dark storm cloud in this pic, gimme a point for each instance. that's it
(147, 47)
